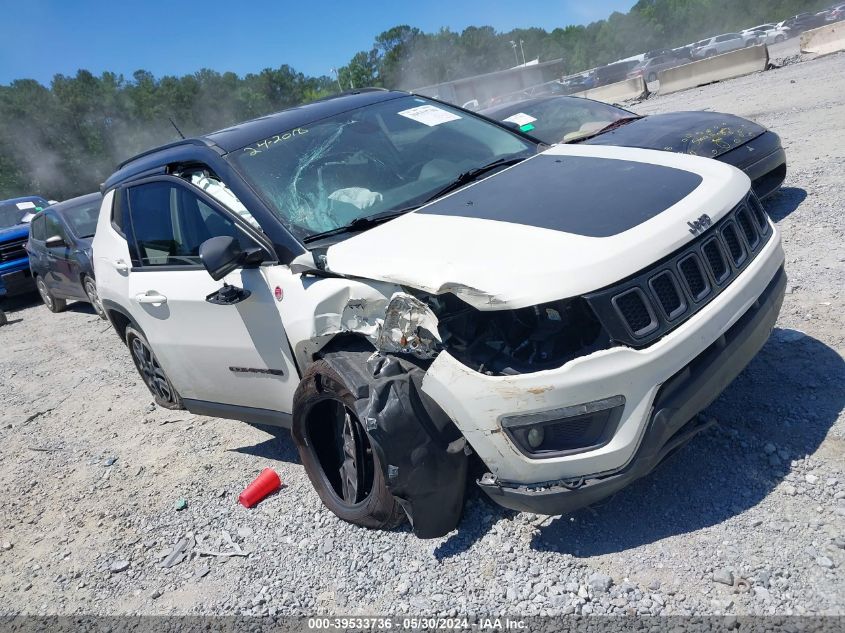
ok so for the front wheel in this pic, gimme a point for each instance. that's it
(53, 304)
(3, 319)
(90, 287)
(779, 39)
(652, 77)
(336, 452)
(151, 371)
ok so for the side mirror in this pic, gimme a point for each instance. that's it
(222, 254)
(55, 241)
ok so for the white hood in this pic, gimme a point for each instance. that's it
(523, 237)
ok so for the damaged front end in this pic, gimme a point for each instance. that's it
(422, 453)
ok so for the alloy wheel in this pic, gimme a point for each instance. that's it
(45, 294)
(151, 371)
(91, 290)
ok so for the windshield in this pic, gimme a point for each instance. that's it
(14, 213)
(83, 218)
(563, 119)
(385, 156)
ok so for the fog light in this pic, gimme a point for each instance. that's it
(567, 430)
(536, 435)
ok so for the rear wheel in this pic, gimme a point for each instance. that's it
(53, 304)
(336, 452)
(90, 287)
(151, 371)
(3, 319)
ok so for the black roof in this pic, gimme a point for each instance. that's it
(70, 203)
(240, 135)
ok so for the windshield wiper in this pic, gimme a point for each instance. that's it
(359, 224)
(610, 126)
(472, 175)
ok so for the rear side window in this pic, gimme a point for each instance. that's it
(170, 222)
(38, 228)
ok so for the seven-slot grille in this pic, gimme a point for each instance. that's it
(12, 250)
(643, 308)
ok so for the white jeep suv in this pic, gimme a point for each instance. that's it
(408, 286)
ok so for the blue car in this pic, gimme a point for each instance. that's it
(15, 214)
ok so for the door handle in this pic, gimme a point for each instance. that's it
(151, 296)
(120, 266)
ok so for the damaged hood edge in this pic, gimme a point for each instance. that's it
(492, 264)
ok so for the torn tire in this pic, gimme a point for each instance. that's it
(421, 453)
(336, 451)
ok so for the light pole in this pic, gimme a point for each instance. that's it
(522, 51)
(515, 56)
(337, 79)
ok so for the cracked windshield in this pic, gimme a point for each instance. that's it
(386, 157)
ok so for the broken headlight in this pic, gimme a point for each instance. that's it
(409, 327)
(508, 342)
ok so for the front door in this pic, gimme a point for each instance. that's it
(58, 257)
(230, 354)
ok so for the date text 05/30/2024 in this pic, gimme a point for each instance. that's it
(412, 623)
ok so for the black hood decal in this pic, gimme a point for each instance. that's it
(595, 197)
(707, 134)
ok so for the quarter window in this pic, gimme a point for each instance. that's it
(170, 222)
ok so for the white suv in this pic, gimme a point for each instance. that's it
(724, 44)
(410, 287)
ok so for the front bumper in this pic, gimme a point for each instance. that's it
(763, 161)
(478, 404)
(16, 278)
(672, 421)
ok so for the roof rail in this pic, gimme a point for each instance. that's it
(153, 150)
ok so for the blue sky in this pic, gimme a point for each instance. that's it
(44, 37)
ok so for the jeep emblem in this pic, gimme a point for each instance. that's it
(697, 226)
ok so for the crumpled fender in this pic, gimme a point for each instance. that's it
(421, 451)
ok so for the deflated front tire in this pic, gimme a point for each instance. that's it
(336, 452)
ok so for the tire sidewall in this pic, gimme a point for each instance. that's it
(131, 333)
(98, 307)
(55, 305)
(378, 509)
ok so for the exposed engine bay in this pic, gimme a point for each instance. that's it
(510, 342)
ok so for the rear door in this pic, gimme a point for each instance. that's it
(230, 354)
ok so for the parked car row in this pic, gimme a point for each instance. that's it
(423, 295)
(648, 65)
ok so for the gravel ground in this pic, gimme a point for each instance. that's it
(749, 518)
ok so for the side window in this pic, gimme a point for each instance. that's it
(170, 222)
(54, 227)
(220, 192)
(38, 228)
